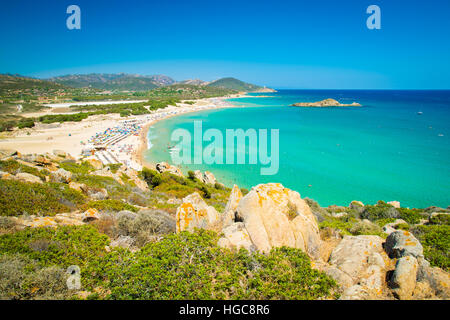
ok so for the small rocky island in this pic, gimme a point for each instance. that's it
(325, 103)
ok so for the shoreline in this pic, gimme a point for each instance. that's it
(73, 137)
(138, 154)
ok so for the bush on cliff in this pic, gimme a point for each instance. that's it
(181, 266)
(381, 210)
(110, 205)
(191, 266)
(18, 198)
(435, 240)
(14, 167)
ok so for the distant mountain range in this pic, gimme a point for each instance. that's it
(18, 82)
(120, 82)
(134, 82)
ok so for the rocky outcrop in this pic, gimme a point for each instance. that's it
(391, 227)
(61, 176)
(229, 215)
(61, 219)
(395, 204)
(275, 216)
(361, 262)
(195, 213)
(95, 193)
(165, 167)
(325, 103)
(90, 215)
(8, 153)
(236, 236)
(403, 280)
(26, 177)
(403, 243)
(96, 164)
(205, 177)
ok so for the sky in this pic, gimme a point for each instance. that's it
(282, 44)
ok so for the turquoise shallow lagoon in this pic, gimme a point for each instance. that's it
(382, 151)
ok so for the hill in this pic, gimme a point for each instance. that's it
(18, 82)
(121, 81)
(234, 84)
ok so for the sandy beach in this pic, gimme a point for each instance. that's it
(73, 137)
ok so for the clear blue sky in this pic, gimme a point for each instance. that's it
(283, 44)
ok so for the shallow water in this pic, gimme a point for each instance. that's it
(384, 150)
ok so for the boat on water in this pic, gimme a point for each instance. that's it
(420, 112)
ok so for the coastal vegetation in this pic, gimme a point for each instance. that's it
(124, 238)
(21, 95)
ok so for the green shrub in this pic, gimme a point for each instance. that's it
(111, 205)
(385, 221)
(22, 278)
(63, 246)
(366, 227)
(180, 266)
(440, 219)
(435, 240)
(191, 175)
(6, 223)
(145, 225)
(14, 167)
(402, 226)
(337, 224)
(17, 198)
(152, 177)
(381, 210)
(83, 168)
(412, 216)
(114, 167)
(192, 266)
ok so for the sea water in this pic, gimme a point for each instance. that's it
(395, 147)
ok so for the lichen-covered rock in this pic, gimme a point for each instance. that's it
(7, 153)
(195, 213)
(39, 222)
(354, 254)
(403, 280)
(96, 164)
(343, 279)
(275, 216)
(356, 204)
(231, 206)
(437, 279)
(236, 236)
(90, 214)
(26, 177)
(209, 178)
(205, 177)
(141, 184)
(395, 204)
(390, 227)
(95, 193)
(77, 186)
(403, 243)
(60, 153)
(122, 242)
(61, 176)
(164, 166)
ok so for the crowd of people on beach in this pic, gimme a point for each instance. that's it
(120, 143)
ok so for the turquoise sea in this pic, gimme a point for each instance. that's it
(385, 150)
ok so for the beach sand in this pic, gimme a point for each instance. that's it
(68, 136)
